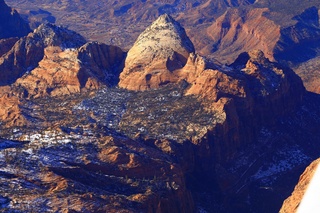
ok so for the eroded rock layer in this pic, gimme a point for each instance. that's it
(180, 134)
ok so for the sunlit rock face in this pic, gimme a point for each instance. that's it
(171, 132)
(301, 200)
(160, 50)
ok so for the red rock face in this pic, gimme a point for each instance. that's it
(64, 72)
(292, 203)
(10, 111)
(239, 30)
(53, 61)
(190, 121)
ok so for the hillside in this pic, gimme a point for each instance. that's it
(287, 32)
(90, 127)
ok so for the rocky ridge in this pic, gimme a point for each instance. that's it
(190, 138)
(14, 25)
(54, 61)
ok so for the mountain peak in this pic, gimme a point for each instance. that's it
(166, 31)
(164, 19)
(53, 35)
(163, 47)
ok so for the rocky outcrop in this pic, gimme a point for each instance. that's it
(239, 30)
(56, 74)
(10, 112)
(300, 42)
(292, 203)
(102, 62)
(12, 25)
(160, 50)
(68, 71)
(54, 61)
(116, 149)
(28, 51)
(251, 92)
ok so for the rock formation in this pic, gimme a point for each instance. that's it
(12, 25)
(243, 30)
(115, 149)
(219, 29)
(68, 71)
(28, 51)
(292, 203)
(160, 50)
(54, 61)
(59, 62)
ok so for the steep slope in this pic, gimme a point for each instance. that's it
(12, 25)
(161, 49)
(67, 71)
(239, 30)
(28, 51)
(300, 42)
(199, 135)
(53, 61)
(293, 203)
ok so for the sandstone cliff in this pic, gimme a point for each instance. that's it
(60, 62)
(182, 135)
(67, 71)
(28, 51)
(292, 203)
(239, 30)
(161, 49)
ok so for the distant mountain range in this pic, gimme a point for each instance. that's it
(287, 31)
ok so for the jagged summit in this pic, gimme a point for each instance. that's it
(161, 49)
(53, 35)
(28, 51)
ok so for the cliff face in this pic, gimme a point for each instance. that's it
(299, 43)
(63, 72)
(292, 203)
(60, 62)
(243, 30)
(12, 25)
(162, 48)
(188, 125)
(28, 51)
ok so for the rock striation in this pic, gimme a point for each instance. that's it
(28, 51)
(239, 30)
(60, 62)
(155, 148)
